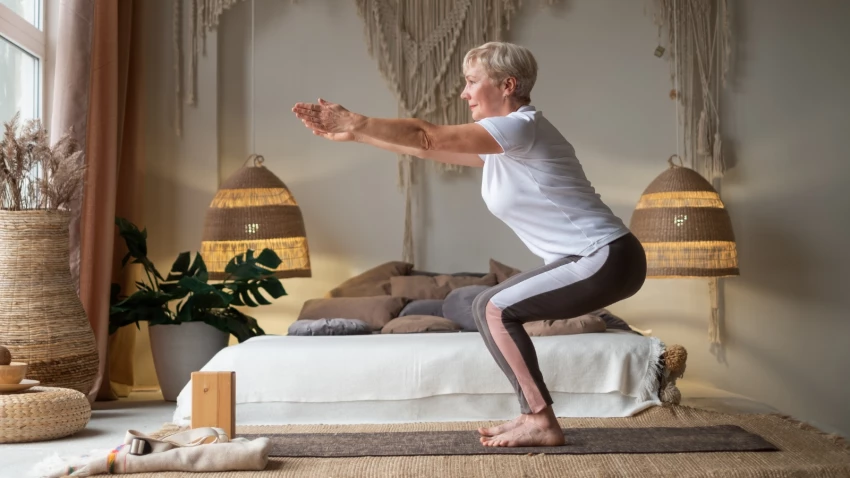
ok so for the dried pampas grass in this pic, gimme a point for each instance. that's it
(34, 175)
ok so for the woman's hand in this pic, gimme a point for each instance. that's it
(329, 120)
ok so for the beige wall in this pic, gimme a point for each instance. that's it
(600, 84)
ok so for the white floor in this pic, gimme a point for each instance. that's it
(147, 412)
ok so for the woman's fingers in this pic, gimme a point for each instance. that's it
(327, 118)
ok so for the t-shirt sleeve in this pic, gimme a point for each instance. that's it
(514, 133)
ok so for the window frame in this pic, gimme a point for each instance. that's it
(30, 38)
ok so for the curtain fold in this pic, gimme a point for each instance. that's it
(129, 197)
(98, 78)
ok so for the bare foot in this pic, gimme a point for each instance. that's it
(528, 434)
(533, 429)
(498, 430)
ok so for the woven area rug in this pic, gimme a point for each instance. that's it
(580, 441)
(803, 451)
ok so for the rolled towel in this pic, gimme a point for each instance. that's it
(238, 454)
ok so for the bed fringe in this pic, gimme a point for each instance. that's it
(654, 370)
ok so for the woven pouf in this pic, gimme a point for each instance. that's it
(42, 413)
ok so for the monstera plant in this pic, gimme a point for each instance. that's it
(190, 318)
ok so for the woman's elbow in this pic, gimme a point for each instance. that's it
(426, 140)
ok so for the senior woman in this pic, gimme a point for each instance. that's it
(533, 182)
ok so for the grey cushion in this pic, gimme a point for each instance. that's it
(330, 327)
(432, 307)
(612, 321)
(457, 306)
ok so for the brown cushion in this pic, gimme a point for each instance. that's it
(583, 324)
(436, 287)
(375, 281)
(416, 324)
(501, 271)
(375, 311)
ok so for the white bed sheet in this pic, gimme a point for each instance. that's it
(428, 377)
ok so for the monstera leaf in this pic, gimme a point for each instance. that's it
(137, 246)
(247, 275)
(230, 320)
(144, 305)
(202, 297)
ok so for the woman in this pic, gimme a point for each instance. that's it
(533, 182)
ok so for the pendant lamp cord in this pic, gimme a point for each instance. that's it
(253, 103)
(675, 73)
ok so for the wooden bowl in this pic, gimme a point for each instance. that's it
(13, 373)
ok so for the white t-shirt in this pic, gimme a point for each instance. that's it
(538, 188)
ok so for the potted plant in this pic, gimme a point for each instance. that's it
(42, 320)
(190, 318)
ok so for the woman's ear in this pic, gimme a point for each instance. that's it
(509, 86)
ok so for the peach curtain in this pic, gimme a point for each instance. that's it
(99, 93)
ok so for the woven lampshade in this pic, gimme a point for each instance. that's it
(684, 227)
(254, 209)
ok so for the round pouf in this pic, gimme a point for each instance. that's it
(42, 413)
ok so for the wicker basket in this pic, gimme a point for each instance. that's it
(42, 321)
(42, 413)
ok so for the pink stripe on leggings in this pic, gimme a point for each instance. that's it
(514, 358)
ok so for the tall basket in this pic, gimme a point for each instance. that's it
(42, 320)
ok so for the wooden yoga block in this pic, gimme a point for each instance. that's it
(214, 400)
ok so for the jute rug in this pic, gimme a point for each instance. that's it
(803, 451)
(580, 441)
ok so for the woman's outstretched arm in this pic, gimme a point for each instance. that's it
(408, 136)
(462, 159)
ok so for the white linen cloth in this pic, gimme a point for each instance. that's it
(338, 370)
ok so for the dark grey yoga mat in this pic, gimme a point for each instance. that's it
(580, 441)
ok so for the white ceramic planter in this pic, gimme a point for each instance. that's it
(179, 350)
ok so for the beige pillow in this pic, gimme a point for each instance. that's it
(462, 281)
(583, 324)
(375, 311)
(434, 287)
(501, 271)
(418, 288)
(417, 324)
(375, 281)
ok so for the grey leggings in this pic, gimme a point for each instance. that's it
(563, 289)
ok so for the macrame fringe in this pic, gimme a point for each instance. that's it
(702, 141)
(718, 166)
(698, 41)
(714, 322)
(654, 370)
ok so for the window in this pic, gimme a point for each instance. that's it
(22, 58)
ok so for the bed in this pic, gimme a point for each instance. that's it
(399, 370)
(429, 377)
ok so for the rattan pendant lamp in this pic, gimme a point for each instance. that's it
(684, 227)
(253, 209)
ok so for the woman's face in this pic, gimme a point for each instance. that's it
(485, 99)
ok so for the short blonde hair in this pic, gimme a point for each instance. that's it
(501, 61)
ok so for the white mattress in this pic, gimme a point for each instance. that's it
(428, 377)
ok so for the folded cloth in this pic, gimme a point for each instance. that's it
(238, 454)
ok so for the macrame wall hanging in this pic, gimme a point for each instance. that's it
(419, 46)
(698, 39)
